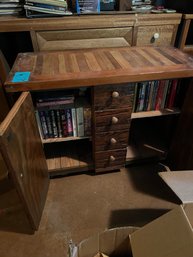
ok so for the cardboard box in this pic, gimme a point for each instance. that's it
(170, 235)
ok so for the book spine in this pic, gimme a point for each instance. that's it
(49, 123)
(74, 123)
(142, 97)
(50, 104)
(43, 124)
(159, 95)
(135, 98)
(69, 122)
(150, 96)
(173, 93)
(80, 121)
(87, 121)
(64, 126)
(53, 123)
(39, 124)
(59, 127)
(147, 95)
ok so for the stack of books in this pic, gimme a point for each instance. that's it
(46, 8)
(10, 7)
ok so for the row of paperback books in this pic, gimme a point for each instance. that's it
(156, 95)
(11, 7)
(61, 117)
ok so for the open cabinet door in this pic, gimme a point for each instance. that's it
(23, 154)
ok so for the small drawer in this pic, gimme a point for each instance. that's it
(110, 159)
(113, 96)
(112, 120)
(155, 35)
(111, 140)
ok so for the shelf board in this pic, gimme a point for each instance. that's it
(69, 157)
(137, 115)
(144, 151)
(62, 139)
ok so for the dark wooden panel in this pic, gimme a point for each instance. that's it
(180, 156)
(103, 66)
(104, 120)
(111, 140)
(23, 154)
(113, 96)
(103, 159)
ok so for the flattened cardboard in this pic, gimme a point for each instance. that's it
(181, 182)
(109, 242)
(168, 236)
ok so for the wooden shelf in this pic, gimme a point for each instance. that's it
(143, 152)
(69, 157)
(63, 139)
(137, 115)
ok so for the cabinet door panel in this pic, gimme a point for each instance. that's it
(22, 150)
(87, 38)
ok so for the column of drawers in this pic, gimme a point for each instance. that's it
(112, 112)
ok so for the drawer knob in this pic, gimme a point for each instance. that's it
(115, 94)
(112, 158)
(114, 120)
(156, 36)
(113, 140)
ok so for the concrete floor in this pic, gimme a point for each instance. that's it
(82, 205)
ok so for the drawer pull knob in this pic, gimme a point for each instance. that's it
(112, 158)
(156, 36)
(114, 120)
(115, 94)
(113, 140)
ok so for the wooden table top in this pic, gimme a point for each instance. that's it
(91, 67)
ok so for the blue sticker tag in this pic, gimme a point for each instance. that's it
(21, 76)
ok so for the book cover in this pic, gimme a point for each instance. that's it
(135, 97)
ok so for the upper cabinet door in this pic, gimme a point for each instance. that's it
(22, 150)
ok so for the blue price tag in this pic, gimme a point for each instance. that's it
(21, 76)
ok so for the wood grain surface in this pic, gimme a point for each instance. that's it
(53, 70)
(22, 152)
(108, 19)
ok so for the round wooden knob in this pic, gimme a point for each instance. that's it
(115, 94)
(114, 120)
(113, 140)
(112, 158)
(156, 36)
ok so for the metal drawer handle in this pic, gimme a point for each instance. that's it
(115, 94)
(114, 120)
(113, 140)
(112, 158)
